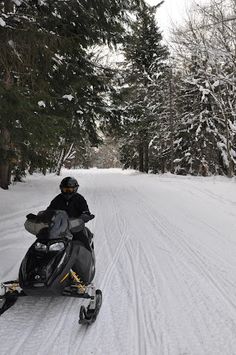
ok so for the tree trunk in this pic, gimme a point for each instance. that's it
(60, 162)
(31, 169)
(146, 157)
(4, 175)
(230, 167)
(5, 137)
(63, 157)
(171, 114)
(4, 160)
(141, 157)
(163, 166)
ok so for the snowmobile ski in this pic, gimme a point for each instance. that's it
(8, 295)
(89, 315)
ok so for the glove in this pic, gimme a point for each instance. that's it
(31, 216)
(85, 216)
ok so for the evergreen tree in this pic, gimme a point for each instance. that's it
(145, 74)
(45, 67)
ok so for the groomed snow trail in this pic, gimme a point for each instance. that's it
(166, 263)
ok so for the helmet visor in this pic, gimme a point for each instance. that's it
(68, 190)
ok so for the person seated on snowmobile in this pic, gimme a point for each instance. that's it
(75, 205)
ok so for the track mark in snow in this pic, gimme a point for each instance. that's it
(165, 269)
(177, 241)
(116, 225)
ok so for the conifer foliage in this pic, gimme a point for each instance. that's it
(180, 117)
(174, 115)
(50, 89)
(143, 88)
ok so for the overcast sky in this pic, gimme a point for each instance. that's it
(170, 11)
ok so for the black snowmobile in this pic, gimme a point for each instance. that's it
(56, 264)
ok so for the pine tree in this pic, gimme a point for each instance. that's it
(45, 67)
(145, 71)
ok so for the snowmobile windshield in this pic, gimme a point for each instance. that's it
(59, 225)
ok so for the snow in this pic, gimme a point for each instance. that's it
(42, 2)
(68, 97)
(41, 104)
(56, 14)
(58, 58)
(165, 248)
(17, 2)
(11, 43)
(2, 22)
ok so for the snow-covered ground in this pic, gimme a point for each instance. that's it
(166, 263)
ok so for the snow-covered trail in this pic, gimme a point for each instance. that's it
(166, 263)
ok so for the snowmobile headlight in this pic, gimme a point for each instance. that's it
(40, 247)
(57, 246)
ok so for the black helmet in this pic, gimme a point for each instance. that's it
(69, 186)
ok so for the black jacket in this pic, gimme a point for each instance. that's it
(74, 207)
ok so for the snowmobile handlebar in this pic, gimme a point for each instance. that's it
(57, 223)
(86, 217)
(77, 224)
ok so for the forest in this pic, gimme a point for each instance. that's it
(159, 108)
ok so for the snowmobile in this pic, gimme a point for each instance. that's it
(56, 264)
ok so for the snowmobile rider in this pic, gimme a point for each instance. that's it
(75, 205)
